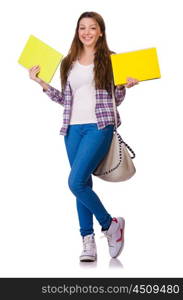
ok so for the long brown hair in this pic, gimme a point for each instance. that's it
(103, 76)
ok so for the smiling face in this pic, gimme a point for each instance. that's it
(89, 32)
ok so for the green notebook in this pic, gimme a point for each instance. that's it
(37, 52)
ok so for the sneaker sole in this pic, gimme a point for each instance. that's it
(88, 258)
(122, 226)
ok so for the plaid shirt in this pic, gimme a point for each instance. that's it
(104, 106)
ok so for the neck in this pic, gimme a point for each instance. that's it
(87, 52)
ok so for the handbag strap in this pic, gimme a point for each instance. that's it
(115, 116)
(114, 106)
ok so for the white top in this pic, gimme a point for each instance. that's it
(81, 79)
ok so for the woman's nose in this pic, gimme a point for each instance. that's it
(87, 31)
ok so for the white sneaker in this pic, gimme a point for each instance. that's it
(89, 252)
(115, 236)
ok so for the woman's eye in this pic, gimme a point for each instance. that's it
(84, 28)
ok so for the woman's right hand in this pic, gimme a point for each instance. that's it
(33, 74)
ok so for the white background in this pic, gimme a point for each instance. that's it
(39, 232)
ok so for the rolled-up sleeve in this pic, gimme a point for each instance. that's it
(120, 92)
(55, 95)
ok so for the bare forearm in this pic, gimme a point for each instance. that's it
(44, 85)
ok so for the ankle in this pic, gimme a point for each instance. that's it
(107, 227)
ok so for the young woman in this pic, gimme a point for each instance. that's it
(88, 125)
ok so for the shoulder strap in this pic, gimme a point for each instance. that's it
(115, 115)
(114, 106)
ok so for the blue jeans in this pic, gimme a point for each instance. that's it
(86, 146)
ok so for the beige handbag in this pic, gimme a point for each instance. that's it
(117, 165)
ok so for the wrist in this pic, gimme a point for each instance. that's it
(43, 84)
(40, 81)
(120, 86)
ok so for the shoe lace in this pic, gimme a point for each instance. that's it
(109, 238)
(87, 244)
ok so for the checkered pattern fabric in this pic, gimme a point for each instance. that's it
(104, 106)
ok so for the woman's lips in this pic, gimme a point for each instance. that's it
(87, 39)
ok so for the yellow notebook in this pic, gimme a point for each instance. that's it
(140, 64)
(37, 52)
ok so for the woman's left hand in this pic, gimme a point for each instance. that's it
(131, 82)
